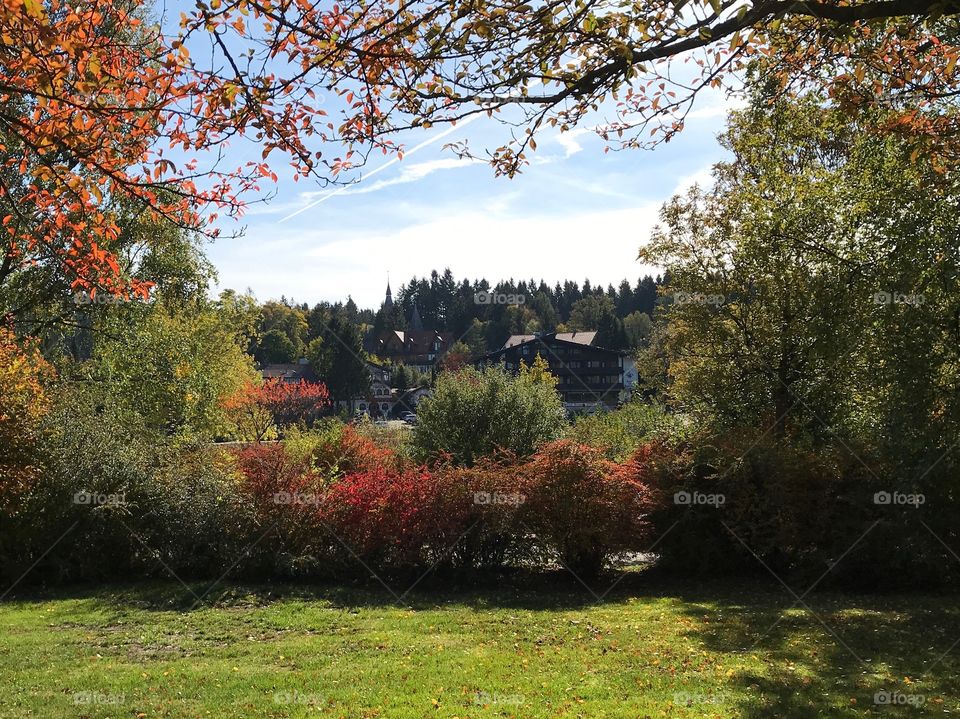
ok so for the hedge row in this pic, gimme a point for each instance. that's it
(334, 504)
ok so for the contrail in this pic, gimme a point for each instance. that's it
(392, 161)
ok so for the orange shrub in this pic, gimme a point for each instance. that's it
(23, 403)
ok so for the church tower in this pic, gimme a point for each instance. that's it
(388, 300)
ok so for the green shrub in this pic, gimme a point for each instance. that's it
(114, 498)
(747, 503)
(474, 413)
(619, 432)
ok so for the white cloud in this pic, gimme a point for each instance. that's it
(717, 107)
(601, 245)
(701, 177)
(568, 140)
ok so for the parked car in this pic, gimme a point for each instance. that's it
(409, 417)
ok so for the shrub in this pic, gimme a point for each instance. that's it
(799, 511)
(582, 506)
(473, 413)
(348, 505)
(731, 497)
(196, 521)
(121, 499)
(489, 498)
(283, 494)
(256, 409)
(333, 449)
(23, 403)
(395, 519)
(395, 437)
(321, 495)
(619, 432)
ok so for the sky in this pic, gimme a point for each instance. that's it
(575, 213)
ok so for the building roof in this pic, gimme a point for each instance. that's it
(414, 342)
(289, 372)
(580, 338)
(577, 339)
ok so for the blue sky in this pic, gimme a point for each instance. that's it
(574, 213)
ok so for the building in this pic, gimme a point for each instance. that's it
(588, 377)
(290, 371)
(416, 347)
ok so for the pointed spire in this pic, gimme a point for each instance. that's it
(388, 300)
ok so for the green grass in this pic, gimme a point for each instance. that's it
(530, 649)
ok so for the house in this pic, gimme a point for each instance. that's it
(290, 371)
(379, 372)
(407, 400)
(582, 338)
(588, 377)
(384, 402)
(416, 347)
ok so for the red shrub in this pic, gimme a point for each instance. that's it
(583, 506)
(488, 498)
(285, 495)
(343, 450)
(256, 409)
(396, 517)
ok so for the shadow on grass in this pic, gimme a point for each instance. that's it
(555, 590)
(834, 655)
(830, 655)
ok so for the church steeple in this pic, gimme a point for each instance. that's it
(388, 300)
(415, 322)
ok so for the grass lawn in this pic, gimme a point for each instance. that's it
(539, 648)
